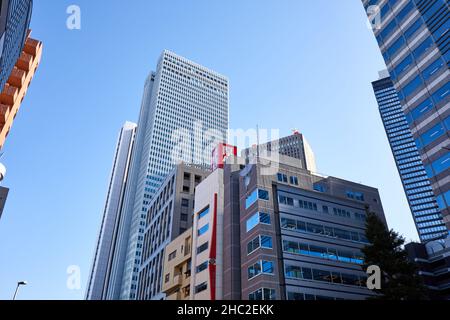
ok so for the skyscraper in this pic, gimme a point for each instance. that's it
(426, 214)
(112, 213)
(184, 114)
(15, 16)
(413, 36)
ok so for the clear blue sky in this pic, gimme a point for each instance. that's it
(292, 64)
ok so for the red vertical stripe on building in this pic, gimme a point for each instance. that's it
(213, 252)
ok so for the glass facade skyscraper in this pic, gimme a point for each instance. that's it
(184, 115)
(101, 264)
(414, 38)
(420, 195)
(15, 16)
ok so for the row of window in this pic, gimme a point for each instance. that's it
(302, 273)
(308, 205)
(295, 247)
(434, 133)
(284, 179)
(302, 227)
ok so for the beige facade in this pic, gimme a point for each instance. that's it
(177, 268)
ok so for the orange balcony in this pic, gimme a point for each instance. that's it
(4, 113)
(9, 94)
(17, 77)
(25, 61)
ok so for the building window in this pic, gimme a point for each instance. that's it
(294, 180)
(203, 213)
(184, 217)
(258, 218)
(172, 255)
(282, 177)
(255, 195)
(185, 203)
(202, 267)
(355, 195)
(261, 267)
(264, 242)
(203, 247)
(201, 287)
(319, 187)
(203, 230)
(167, 279)
(262, 294)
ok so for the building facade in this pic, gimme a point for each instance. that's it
(294, 146)
(413, 36)
(112, 214)
(184, 113)
(433, 259)
(15, 17)
(422, 202)
(169, 215)
(292, 235)
(301, 237)
(17, 84)
(177, 268)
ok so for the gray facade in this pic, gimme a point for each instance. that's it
(169, 215)
(107, 238)
(294, 146)
(294, 239)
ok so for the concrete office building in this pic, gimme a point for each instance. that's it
(433, 259)
(184, 114)
(109, 229)
(300, 240)
(169, 216)
(290, 235)
(422, 202)
(413, 36)
(177, 268)
(294, 146)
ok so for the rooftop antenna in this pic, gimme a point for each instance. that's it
(257, 141)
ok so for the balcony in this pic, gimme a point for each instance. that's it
(17, 77)
(4, 113)
(9, 94)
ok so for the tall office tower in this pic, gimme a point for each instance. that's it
(15, 16)
(294, 146)
(184, 114)
(291, 235)
(417, 186)
(112, 213)
(17, 85)
(413, 36)
(169, 215)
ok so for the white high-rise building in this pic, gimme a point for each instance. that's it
(111, 215)
(184, 115)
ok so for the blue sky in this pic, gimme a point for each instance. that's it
(292, 64)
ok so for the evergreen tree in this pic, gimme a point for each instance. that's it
(399, 280)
